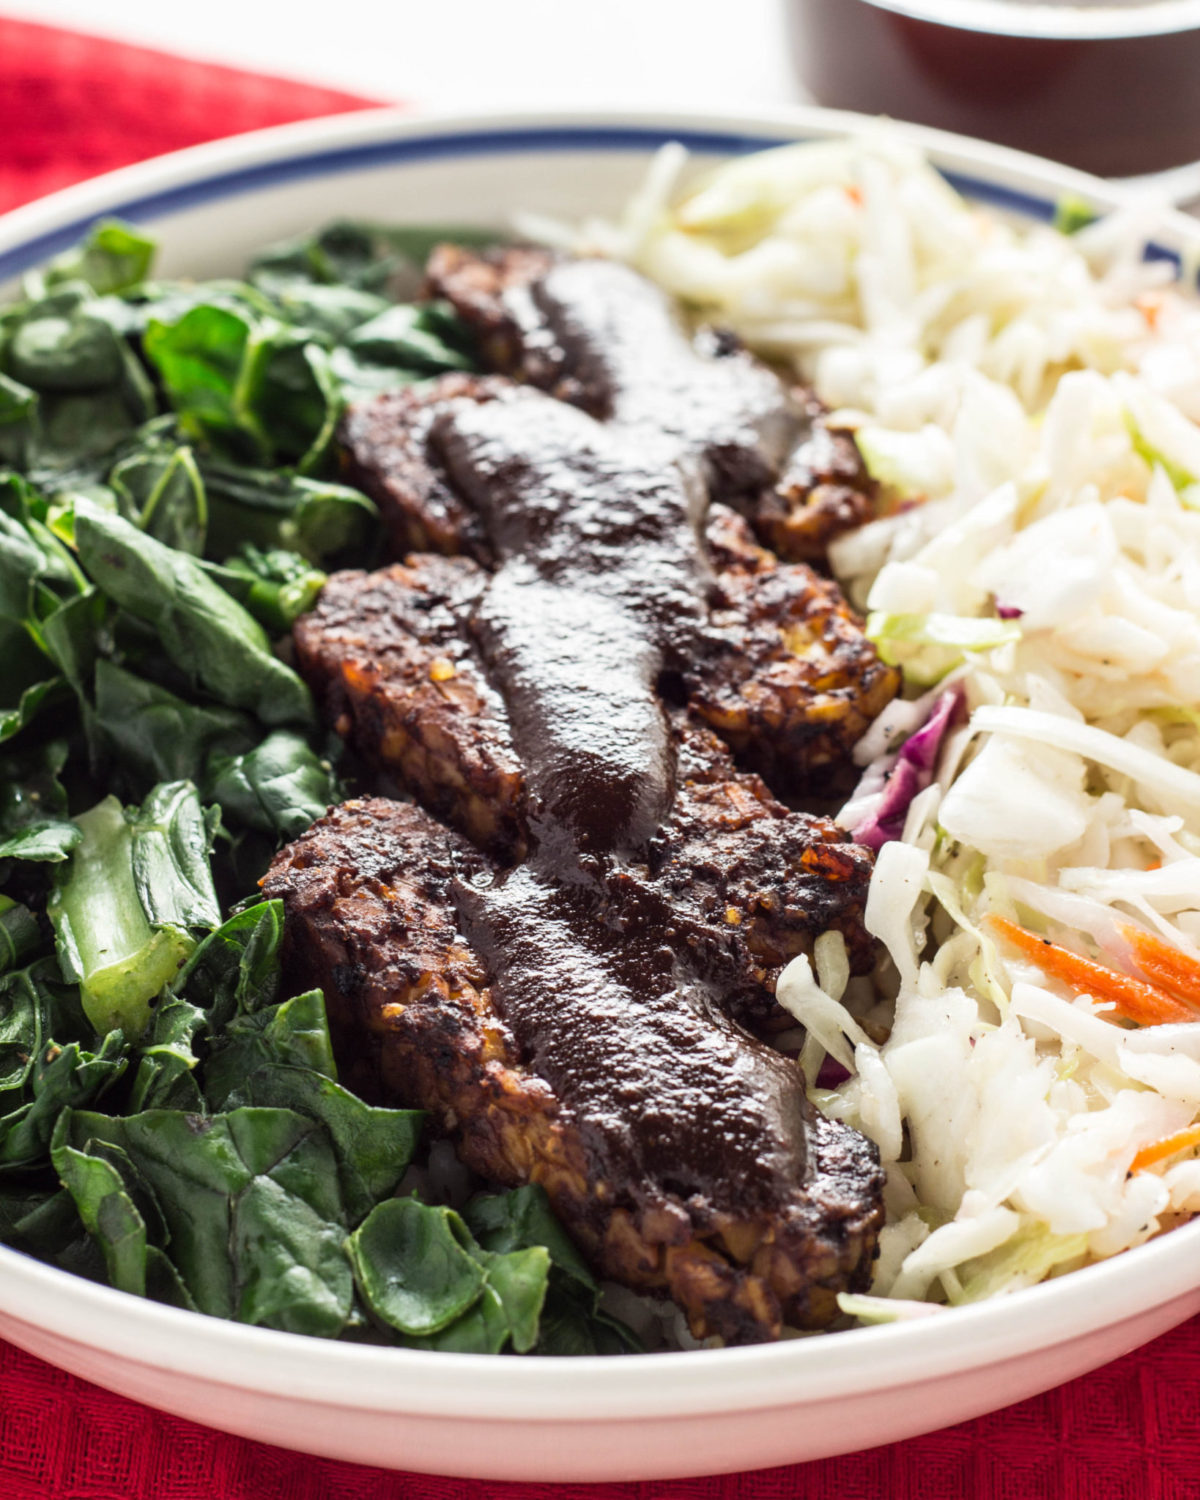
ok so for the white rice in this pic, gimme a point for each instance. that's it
(1031, 402)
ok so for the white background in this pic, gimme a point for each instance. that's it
(434, 53)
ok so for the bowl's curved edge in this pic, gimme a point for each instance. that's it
(580, 1447)
(389, 1380)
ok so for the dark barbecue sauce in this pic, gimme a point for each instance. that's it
(693, 1108)
(600, 588)
(635, 364)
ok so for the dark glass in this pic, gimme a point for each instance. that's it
(1075, 82)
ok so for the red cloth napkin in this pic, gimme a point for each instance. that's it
(72, 106)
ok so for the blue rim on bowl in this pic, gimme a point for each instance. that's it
(145, 207)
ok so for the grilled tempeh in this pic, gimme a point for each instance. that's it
(392, 663)
(573, 1056)
(778, 663)
(786, 676)
(385, 451)
(596, 334)
(391, 658)
(576, 982)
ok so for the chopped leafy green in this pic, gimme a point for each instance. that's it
(373, 1146)
(22, 563)
(199, 358)
(259, 390)
(125, 909)
(328, 311)
(570, 1328)
(276, 586)
(30, 702)
(271, 509)
(70, 637)
(361, 256)
(520, 1281)
(61, 346)
(422, 1273)
(158, 735)
(33, 806)
(411, 1266)
(105, 939)
(408, 336)
(114, 257)
(407, 342)
(22, 1019)
(62, 1077)
(167, 1062)
(159, 489)
(235, 970)
(504, 1222)
(293, 1033)
(20, 936)
(107, 1212)
(50, 841)
(171, 1119)
(205, 633)
(252, 1208)
(482, 1329)
(18, 417)
(66, 350)
(571, 1322)
(50, 1229)
(172, 838)
(280, 787)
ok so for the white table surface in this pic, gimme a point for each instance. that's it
(447, 53)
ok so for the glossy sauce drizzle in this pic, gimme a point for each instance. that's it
(600, 588)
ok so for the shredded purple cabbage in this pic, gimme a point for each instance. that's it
(912, 773)
(1008, 612)
(831, 1074)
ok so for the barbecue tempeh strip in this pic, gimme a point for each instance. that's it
(391, 661)
(385, 452)
(596, 334)
(390, 657)
(748, 1212)
(782, 669)
(788, 678)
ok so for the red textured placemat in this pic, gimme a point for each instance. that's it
(70, 107)
(1128, 1432)
(73, 106)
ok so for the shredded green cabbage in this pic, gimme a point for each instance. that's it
(927, 647)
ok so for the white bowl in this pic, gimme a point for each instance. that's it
(551, 1419)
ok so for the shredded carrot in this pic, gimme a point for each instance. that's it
(855, 196)
(1133, 998)
(1149, 304)
(1164, 965)
(1157, 1151)
(1155, 864)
